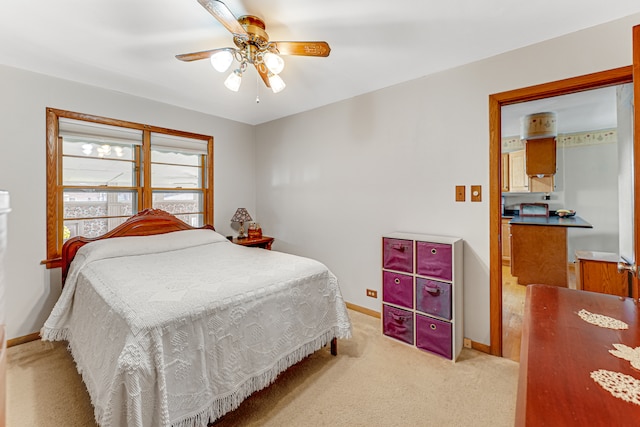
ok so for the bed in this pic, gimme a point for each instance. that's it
(171, 325)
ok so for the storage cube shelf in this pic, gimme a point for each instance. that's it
(422, 290)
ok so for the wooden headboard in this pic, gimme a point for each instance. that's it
(144, 223)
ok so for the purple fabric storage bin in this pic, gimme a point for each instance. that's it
(397, 289)
(397, 323)
(397, 254)
(434, 260)
(433, 297)
(433, 335)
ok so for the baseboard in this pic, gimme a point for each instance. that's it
(363, 310)
(21, 340)
(484, 348)
(481, 347)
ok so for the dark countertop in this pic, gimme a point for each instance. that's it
(572, 221)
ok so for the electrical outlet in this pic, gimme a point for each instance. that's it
(466, 342)
(460, 190)
(371, 293)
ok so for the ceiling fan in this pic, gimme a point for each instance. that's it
(252, 48)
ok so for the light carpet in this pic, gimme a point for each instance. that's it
(374, 381)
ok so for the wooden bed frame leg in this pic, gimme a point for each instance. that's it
(334, 346)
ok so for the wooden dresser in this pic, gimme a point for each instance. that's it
(559, 352)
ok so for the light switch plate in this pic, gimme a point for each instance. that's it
(460, 193)
(476, 193)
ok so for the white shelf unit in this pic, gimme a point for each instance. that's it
(422, 291)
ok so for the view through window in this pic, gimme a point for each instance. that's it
(101, 171)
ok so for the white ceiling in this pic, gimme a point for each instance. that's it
(130, 45)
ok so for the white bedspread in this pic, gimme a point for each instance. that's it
(178, 329)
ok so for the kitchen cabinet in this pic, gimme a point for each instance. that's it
(540, 155)
(598, 272)
(519, 181)
(539, 254)
(505, 172)
(539, 249)
(506, 241)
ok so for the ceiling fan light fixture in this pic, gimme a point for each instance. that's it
(222, 60)
(252, 48)
(276, 83)
(274, 63)
(233, 81)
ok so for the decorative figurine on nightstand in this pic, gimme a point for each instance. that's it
(255, 232)
(241, 216)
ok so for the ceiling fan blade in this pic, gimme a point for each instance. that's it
(262, 70)
(303, 48)
(194, 56)
(221, 12)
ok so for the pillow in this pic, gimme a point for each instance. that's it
(140, 245)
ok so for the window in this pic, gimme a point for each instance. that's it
(101, 171)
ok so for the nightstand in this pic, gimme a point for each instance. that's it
(263, 242)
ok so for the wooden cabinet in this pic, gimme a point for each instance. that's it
(506, 241)
(263, 242)
(598, 272)
(505, 172)
(422, 292)
(539, 254)
(540, 156)
(518, 180)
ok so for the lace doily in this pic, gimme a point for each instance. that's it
(627, 353)
(622, 386)
(602, 320)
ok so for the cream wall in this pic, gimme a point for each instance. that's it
(331, 181)
(31, 289)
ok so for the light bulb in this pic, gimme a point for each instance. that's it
(233, 81)
(274, 63)
(221, 60)
(276, 83)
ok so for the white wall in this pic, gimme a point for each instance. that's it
(31, 288)
(331, 181)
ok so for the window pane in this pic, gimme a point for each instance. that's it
(91, 204)
(178, 202)
(89, 227)
(194, 220)
(91, 213)
(175, 176)
(173, 157)
(86, 148)
(87, 171)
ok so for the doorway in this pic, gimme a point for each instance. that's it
(496, 102)
(585, 179)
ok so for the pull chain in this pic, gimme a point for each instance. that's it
(257, 89)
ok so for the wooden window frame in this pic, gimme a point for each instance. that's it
(55, 205)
